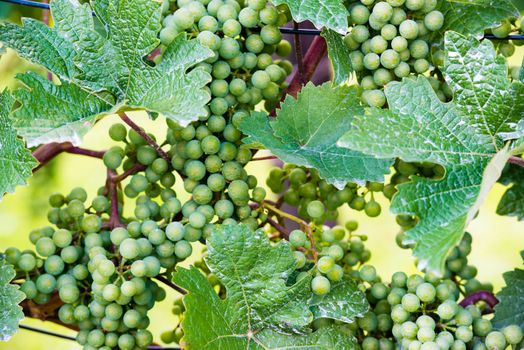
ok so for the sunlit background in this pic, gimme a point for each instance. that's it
(496, 246)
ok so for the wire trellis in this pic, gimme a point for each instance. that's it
(283, 30)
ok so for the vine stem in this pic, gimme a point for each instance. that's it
(145, 136)
(264, 158)
(481, 295)
(44, 154)
(299, 54)
(314, 55)
(517, 161)
(281, 229)
(171, 284)
(114, 217)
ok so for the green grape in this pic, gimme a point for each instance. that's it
(183, 249)
(409, 29)
(495, 340)
(434, 21)
(513, 334)
(383, 11)
(315, 209)
(320, 285)
(359, 14)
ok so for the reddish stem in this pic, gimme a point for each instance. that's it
(314, 55)
(264, 158)
(517, 161)
(283, 231)
(114, 217)
(481, 295)
(131, 171)
(46, 153)
(145, 136)
(299, 55)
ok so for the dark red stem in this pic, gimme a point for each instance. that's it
(314, 55)
(283, 231)
(114, 217)
(264, 158)
(481, 295)
(171, 284)
(46, 153)
(145, 136)
(517, 161)
(299, 55)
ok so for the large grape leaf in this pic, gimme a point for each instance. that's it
(211, 323)
(261, 306)
(255, 275)
(473, 16)
(510, 309)
(10, 312)
(331, 14)
(463, 136)
(103, 73)
(16, 161)
(306, 130)
(512, 202)
(338, 53)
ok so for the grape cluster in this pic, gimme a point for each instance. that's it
(411, 312)
(339, 251)
(390, 40)
(423, 313)
(243, 37)
(316, 199)
(102, 278)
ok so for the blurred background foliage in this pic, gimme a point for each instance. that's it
(496, 245)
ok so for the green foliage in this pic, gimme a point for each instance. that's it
(102, 73)
(342, 303)
(16, 162)
(306, 130)
(260, 304)
(331, 14)
(510, 309)
(338, 54)
(10, 297)
(512, 203)
(462, 136)
(472, 17)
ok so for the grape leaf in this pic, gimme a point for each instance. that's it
(473, 16)
(331, 14)
(16, 161)
(463, 136)
(512, 202)
(510, 309)
(103, 73)
(343, 303)
(338, 53)
(306, 130)
(255, 275)
(10, 312)
(211, 323)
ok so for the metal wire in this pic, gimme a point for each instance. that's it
(28, 3)
(66, 337)
(312, 32)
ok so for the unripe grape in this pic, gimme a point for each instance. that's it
(434, 21)
(409, 29)
(513, 334)
(495, 341)
(320, 285)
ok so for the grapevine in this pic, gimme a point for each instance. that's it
(422, 116)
